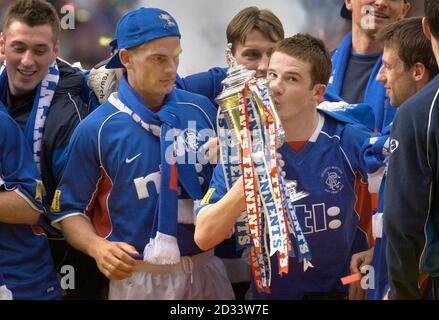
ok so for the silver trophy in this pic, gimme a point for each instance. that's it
(229, 101)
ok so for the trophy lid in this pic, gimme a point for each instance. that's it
(237, 75)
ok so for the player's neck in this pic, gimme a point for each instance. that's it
(302, 126)
(154, 102)
(364, 42)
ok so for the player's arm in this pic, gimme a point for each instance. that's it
(15, 209)
(215, 221)
(112, 258)
(74, 193)
(406, 202)
(353, 139)
(206, 83)
(18, 176)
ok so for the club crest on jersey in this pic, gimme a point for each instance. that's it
(332, 177)
(189, 139)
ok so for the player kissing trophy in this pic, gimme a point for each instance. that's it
(250, 133)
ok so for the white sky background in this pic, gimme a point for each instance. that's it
(203, 26)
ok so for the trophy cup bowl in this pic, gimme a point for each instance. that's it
(230, 98)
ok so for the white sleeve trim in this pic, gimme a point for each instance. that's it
(55, 223)
(17, 191)
(204, 208)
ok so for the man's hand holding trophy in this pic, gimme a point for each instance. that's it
(250, 134)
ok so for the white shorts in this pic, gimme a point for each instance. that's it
(200, 277)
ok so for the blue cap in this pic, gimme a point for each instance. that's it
(140, 26)
(113, 44)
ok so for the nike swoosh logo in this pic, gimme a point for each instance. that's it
(128, 161)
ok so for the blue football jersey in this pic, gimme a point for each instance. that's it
(113, 172)
(25, 260)
(206, 83)
(328, 167)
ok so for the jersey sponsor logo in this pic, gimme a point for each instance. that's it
(332, 177)
(129, 160)
(318, 218)
(142, 183)
(394, 144)
(56, 207)
(207, 197)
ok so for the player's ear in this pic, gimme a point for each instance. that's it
(405, 9)
(426, 28)
(348, 4)
(2, 43)
(419, 71)
(319, 92)
(56, 47)
(125, 58)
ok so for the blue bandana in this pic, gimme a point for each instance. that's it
(43, 98)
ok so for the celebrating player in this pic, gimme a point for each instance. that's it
(411, 198)
(408, 65)
(131, 181)
(43, 95)
(26, 267)
(356, 62)
(322, 154)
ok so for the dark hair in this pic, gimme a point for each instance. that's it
(33, 13)
(431, 9)
(408, 38)
(309, 49)
(252, 18)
